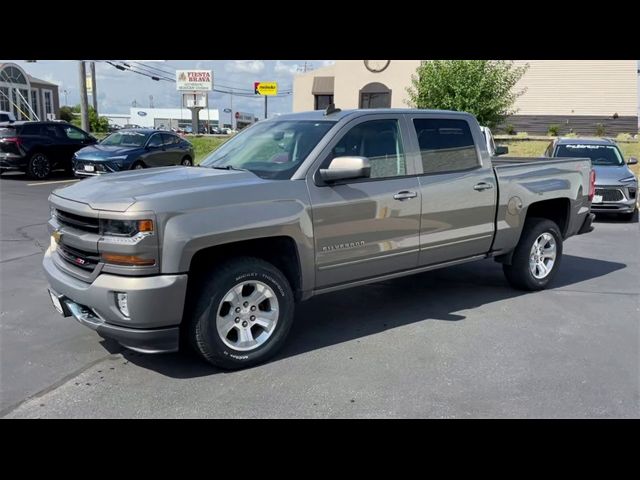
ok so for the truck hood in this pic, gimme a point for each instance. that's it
(611, 175)
(119, 191)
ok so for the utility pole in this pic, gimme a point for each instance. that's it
(231, 108)
(265, 106)
(84, 101)
(94, 90)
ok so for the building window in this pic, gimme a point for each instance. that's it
(445, 145)
(35, 104)
(375, 95)
(22, 100)
(48, 104)
(12, 75)
(323, 101)
(5, 100)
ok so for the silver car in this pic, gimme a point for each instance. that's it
(616, 185)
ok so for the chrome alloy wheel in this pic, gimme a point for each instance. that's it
(542, 256)
(247, 315)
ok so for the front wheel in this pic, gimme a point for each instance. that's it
(137, 166)
(186, 161)
(243, 313)
(537, 256)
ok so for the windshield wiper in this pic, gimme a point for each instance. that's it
(230, 167)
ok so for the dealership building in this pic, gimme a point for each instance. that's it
(575, 94)
(27, 97)
(162, 117)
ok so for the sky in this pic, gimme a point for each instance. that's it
(118, 89)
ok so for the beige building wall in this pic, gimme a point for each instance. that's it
(350, 77)
(579, 87)
(554, 87)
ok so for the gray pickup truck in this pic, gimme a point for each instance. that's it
(217, 256)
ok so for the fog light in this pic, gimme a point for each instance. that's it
(123, 304)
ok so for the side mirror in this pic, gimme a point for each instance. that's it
(344, 168)
(632, 161)
(501, 150)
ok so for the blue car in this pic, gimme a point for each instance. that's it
(132, 149)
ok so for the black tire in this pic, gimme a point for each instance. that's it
(138, 165)
(519, 273)
(186, 162)
(202, 327)
(39, 166)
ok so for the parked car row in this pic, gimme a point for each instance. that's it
(39, 148)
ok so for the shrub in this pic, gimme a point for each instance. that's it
(624, 137)
(553, 130)
(510, 129)
(600, 130)
(522, 134)
(571, 135)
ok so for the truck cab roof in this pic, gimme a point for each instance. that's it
(352, 113)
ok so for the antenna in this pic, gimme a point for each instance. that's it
(331, 109)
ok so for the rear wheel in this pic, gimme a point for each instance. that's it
(537, 256)
(39, 166)
(243, 313)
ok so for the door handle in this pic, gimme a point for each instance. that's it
(482, 186)
(405, 195)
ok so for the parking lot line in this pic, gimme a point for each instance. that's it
(49, 183)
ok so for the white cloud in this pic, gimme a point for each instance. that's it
(282, 67)
(328, 63)
(246, 66)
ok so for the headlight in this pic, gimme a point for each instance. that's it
(630, 178)
(125, 228)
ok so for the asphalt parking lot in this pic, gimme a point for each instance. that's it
(451, 343)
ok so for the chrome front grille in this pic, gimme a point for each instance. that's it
(80, 222)
(78, 258)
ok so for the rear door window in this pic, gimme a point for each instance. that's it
(446, 145)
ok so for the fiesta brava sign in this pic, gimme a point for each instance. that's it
(194, 80)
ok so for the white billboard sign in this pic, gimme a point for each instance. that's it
(194, 80)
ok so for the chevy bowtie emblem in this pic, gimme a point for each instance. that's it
(57, 235)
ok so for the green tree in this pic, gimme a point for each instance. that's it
(485, 88)
(96, 123)
(66, 114)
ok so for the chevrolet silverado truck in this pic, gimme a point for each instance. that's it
(215, 257)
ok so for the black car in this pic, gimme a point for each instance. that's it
(132, 149)
(38, 148)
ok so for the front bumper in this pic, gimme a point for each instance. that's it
(625, 198)
(156, 306)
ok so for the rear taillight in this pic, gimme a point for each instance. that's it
(592, 184)
(15, 140)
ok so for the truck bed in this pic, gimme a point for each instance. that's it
(523, 181)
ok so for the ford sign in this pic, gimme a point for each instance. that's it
(142, 114)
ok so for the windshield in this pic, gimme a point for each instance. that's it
(604, 155)
(272, 149)
(126, 139)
